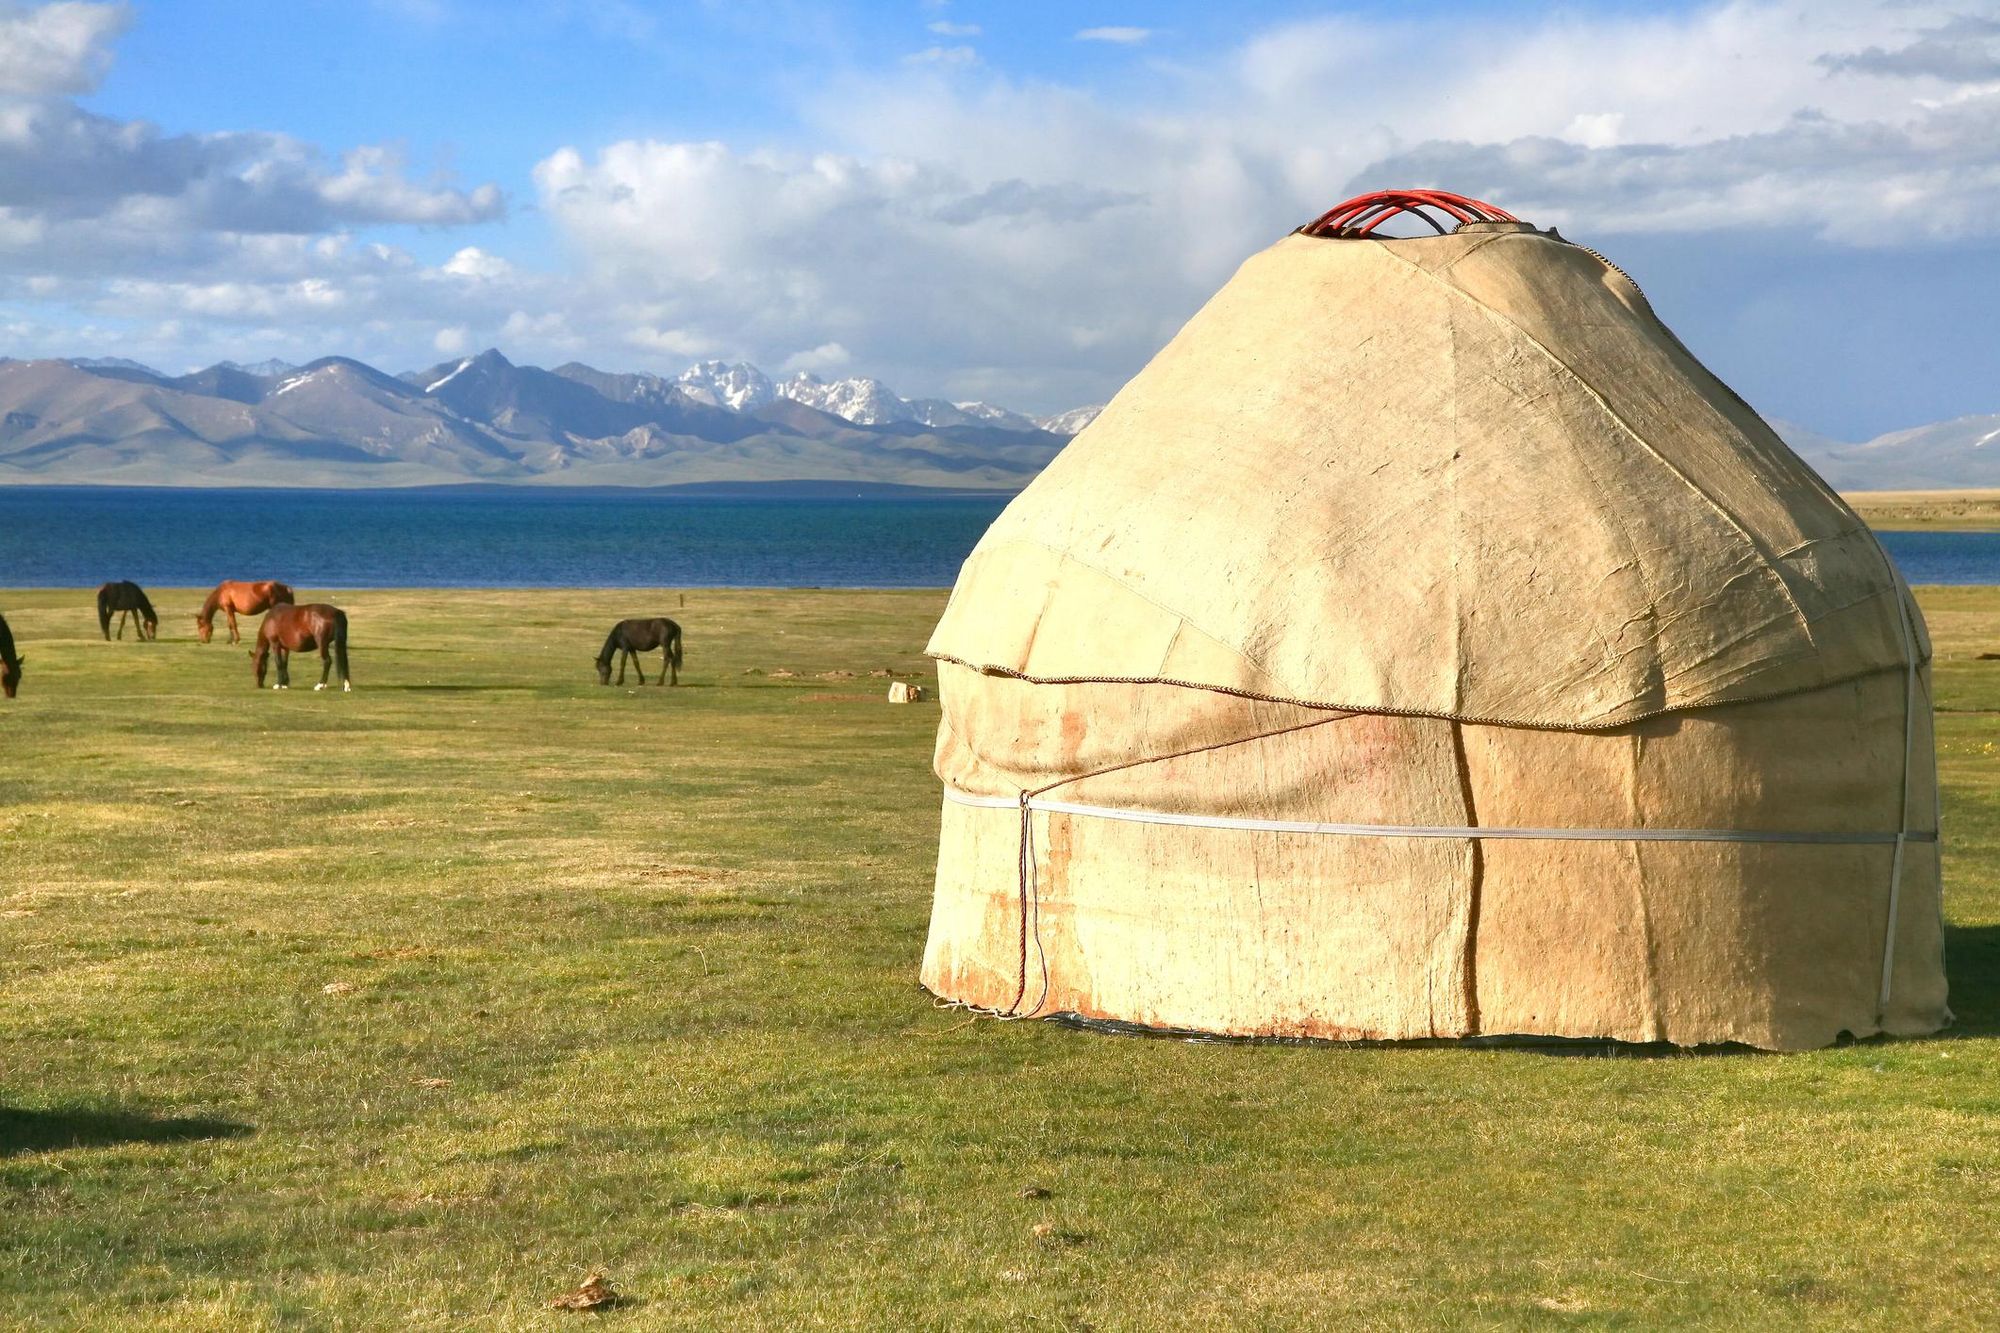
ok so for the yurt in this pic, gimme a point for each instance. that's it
(1425, 645)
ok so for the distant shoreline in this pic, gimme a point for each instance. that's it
(1973, 509)
(749, 490)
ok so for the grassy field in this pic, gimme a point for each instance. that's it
(1907, 510)
(411, 1007)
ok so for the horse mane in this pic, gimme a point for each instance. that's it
(207, 613)
(104, 610)
(145, 604)
(610, 644)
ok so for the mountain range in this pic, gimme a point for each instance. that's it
(1960, 454)
(340, 422)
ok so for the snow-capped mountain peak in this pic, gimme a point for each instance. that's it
(865, 402)
(740, 388)
(1070, 422)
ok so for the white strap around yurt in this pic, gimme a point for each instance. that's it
(1821, 838)
(1903, 835)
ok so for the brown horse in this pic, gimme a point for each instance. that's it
(239, 598)
(10, 664)
(629, 638)
(289, 629)
(126, 598)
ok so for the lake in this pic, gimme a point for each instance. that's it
(79, 536)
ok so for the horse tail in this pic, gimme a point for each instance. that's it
(674, 643)
(340, 642)
(104, 610)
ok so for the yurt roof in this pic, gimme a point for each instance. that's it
(1465, 475)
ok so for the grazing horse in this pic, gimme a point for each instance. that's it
(10, 664)
(126, 598)
(629, 638)
(239, 598)
(288, 629)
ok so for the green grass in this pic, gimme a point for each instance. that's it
(633, 987)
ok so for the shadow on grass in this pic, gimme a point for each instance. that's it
(23, 1131)
(518, 689)
(1972, 965)
(1598, 1047)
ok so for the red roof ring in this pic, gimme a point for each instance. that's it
(1363, 213)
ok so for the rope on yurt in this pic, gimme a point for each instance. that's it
(1821, 838)
(1029, 888)
(1029, 802)
(1909, 743)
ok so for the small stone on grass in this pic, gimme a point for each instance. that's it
(596, 1293)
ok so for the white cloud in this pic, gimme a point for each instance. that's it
(825, 359)
(874, 257)
(943, 55)
(475, 263)
(1594, 131)
(979, 235)
(452, 341)
(1040, 240)
(1963, 49)
(946, 28)
(669, 342)
(80, 189)
(57, 49)
(1116, 35)
(371, 187)
(539, 333)
(303, 299)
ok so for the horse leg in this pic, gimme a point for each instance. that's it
(623, 653)
(284, 670)
(121, 627)
(639, 665)
(236, 638)
(325, 661)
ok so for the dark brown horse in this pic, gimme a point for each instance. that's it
(238, 598)
(10, 664)
(126, 598)
(289, 629)
(629, 638)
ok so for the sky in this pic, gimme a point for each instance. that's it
(1012, 200)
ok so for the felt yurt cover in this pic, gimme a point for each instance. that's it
(1424, 644)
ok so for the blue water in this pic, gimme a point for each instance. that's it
(75, 536)
(1945, 557)
(79, 536)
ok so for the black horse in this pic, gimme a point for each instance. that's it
(10, 664)
(126, 598)
(629, 638)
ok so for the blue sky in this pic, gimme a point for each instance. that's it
(1015, 201)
